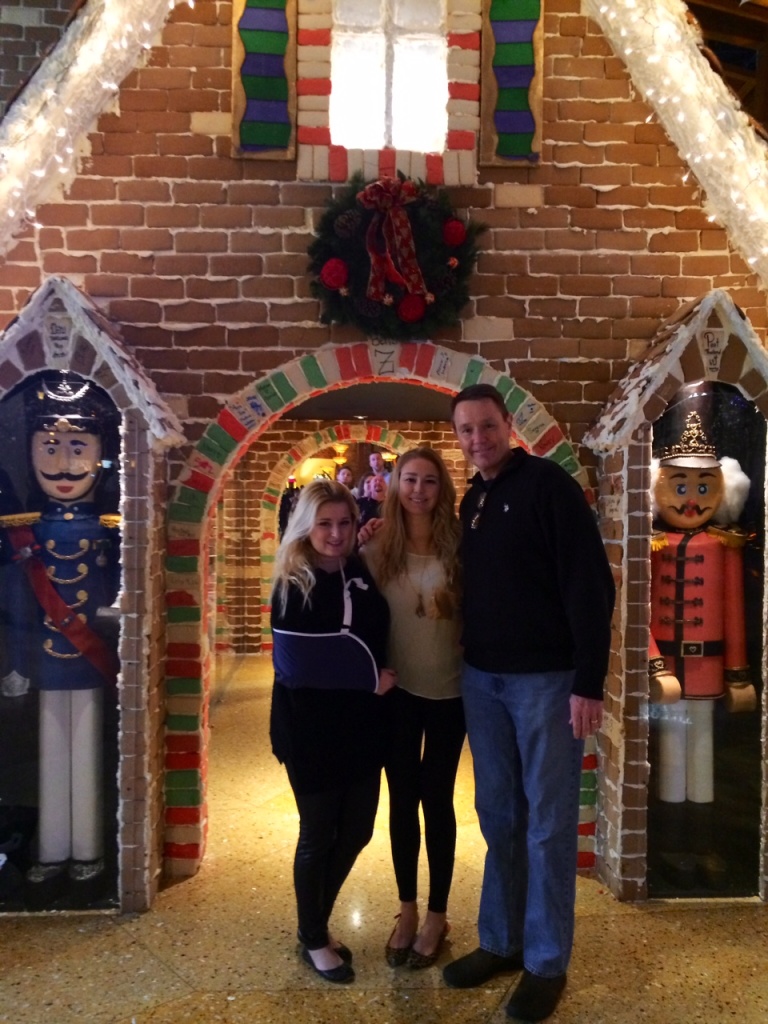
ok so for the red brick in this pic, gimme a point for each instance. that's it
(138, 143)
(235, 266)
(226, 217)
(243, 312)
(205, 288)
(91, 189)
(256, 193)
(532, 285)
(189, 313)
(541, 217)
(583, 285)
(203, 192)
(63, 214)
(136, 311)
(185, 145)
(504, 306)
(173, 215)
(143, 191)
(105, 285)
(160, 167)
(603, 306)
(621, 240)
(201, 241)
(16, 275)
(603, 219)
(93, 240)
(146, 239)
(155, 287)
(58, 263)
(118, 215)
(145, 100)
(272, 287)
(281, 263)
(182, 266)
(126, 263)
(163, 78)
(674, 241)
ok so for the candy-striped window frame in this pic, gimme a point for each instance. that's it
(281, 71)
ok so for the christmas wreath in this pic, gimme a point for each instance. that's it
(392, 257)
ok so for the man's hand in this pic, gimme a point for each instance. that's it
(586, 716)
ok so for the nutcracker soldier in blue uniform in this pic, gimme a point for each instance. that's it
(62, 580)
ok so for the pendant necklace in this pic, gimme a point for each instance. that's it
(421, 611)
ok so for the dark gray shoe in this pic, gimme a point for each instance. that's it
(478, 967)
(535, 998)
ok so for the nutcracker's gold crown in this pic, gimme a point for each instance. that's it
(694, 449)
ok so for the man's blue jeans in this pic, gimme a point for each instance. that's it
(527, 780)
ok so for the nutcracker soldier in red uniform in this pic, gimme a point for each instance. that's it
(698, 647)
(60, 582)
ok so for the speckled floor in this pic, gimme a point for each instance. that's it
(221, 946)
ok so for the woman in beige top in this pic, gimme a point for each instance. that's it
(414, 559)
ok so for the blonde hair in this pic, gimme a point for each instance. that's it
(392, 553)
(295, 559)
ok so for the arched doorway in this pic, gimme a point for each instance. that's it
(222, 446)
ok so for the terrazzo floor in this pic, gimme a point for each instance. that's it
(221, 946)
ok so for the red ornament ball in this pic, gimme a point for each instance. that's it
(454, 232)
(411, 308)
(334, 273)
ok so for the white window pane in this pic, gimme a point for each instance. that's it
(357, 96)
(419, 15)
(358, 13)
(420, 95)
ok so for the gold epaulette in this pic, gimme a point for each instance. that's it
(111, 520)
(730, 536)
(659, 540)
(20, 519)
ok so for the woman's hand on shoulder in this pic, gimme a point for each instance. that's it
(366, 532)
(387, 681)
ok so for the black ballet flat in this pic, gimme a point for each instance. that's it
(344, 951)
(341, 975)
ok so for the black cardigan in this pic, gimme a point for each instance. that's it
(329, 737)
(538, 590)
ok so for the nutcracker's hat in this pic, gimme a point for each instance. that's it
(693, 450)
(65, 402)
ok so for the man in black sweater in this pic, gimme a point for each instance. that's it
(538, 599)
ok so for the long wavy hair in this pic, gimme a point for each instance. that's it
(295, 561)
(393, 554)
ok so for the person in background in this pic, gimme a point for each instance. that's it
(329, 720)
(537, 601)
(378, 465)
(375, 491)
(414, 559)
(344, 476)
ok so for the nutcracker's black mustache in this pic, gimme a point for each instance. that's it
(690, 510)
(73, 478)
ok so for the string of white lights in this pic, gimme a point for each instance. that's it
(660, 46)
(42, 131)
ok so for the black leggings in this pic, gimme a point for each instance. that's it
(428, 779)
(334, 826)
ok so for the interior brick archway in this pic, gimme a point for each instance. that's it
(224, 442)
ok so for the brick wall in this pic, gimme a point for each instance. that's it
(28, 29)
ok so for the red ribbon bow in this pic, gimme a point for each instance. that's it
(389, 239)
